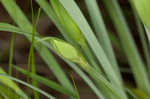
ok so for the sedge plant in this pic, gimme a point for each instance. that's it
(87, 50)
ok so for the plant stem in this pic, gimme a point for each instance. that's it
(11, 51)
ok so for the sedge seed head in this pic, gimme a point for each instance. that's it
(65, 50)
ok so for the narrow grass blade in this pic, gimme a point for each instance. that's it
(101, 32)
(62, 48)
(148, 36)
(8, 92)
(49, 11)
(147, 32)
(142, 8)
(46, 82)
(28, 85)
(143, 39)
(86, 79)
(11, 85)
(115, 41)
(80, 20)
(11, 52)
(129, 46)
(31, 59)
(11, 28)
(109, 90)
(68, 24)
(24, 24)
(75, 86)
(75, 67)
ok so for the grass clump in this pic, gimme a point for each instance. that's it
(84, 48)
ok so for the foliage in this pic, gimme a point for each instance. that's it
(84, 48)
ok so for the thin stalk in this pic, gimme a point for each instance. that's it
(148, 36)
(49, 96)
(107, 88)
(101, 33)
(91, 58)
(129, 46)
(143, 40)
(77, 92)
(22, 21)
(72, 31)
(11, 28)
(31, 60)
(11, 51)
(49, 83)
(142, 36)
(97, 49)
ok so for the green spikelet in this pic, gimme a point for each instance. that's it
(66, 50)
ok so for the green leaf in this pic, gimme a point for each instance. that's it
(11, 84)
(28, 85)
(63, 48)
(9, 92)
(128, 45)
(86, 79)
(142, 37)
(80, 20)
(46, 82)
(70, 26)
(140, 94)
(8, 27)
(101, 32)
(72, 31)
(21, 20)
(143, 7)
